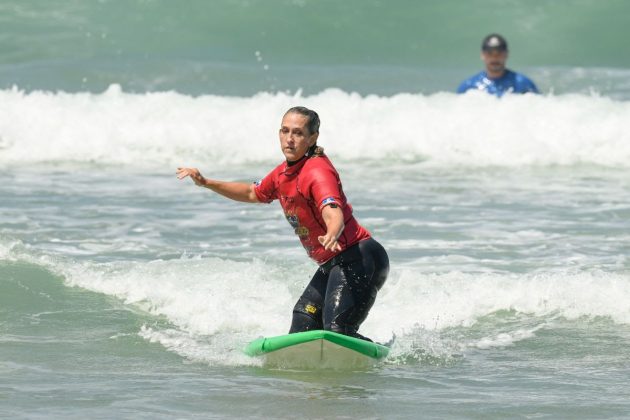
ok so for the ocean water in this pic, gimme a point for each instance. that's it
(127, 293)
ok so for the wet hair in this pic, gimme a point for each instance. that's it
(313, 118)
(312, 125)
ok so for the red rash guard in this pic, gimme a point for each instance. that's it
(304, 189)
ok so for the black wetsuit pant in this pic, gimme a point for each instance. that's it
(343, 290)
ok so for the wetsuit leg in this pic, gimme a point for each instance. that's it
(352, 287)
(307, 313)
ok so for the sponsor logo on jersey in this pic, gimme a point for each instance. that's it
(328, 200)
(293, 220)
(301, 231)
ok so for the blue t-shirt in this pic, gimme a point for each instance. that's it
(510, 82)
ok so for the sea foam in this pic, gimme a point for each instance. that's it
(168, 128)
(214, 306)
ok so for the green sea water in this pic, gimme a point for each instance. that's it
(240, 47)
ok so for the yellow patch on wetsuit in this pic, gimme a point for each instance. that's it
(310, 309)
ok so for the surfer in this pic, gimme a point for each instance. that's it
(352, 265)
(496, 79)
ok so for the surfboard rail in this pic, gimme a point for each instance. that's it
(265, 345)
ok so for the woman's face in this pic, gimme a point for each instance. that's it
(295, 139)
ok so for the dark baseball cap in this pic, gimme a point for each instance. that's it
(494, 42)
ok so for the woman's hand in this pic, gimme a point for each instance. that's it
(329, 242)
(193, 173)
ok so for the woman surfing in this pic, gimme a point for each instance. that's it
(352, 265)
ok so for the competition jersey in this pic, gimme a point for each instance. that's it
(304, 189)
(510, 82)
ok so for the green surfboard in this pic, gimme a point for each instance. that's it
(316, 349)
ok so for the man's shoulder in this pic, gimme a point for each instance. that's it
(471, 82)
(521, 81)
(516, 75)
(476, 76)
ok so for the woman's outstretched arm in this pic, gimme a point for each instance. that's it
(238, 191)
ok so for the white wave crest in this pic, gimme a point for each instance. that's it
(169, 128)
(213, 303)
(454, 299)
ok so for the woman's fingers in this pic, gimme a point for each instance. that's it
(184, 172)
(329, 243)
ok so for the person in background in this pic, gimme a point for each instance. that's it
(496, 79)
